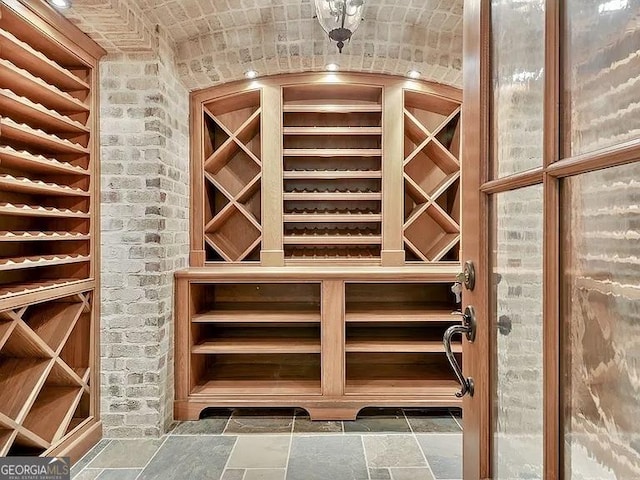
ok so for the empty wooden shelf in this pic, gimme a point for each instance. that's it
(49, 236)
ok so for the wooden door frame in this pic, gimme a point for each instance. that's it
(474, 244)
(477, 187)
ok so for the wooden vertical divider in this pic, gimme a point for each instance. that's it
(392, 176)
(272, 253)
(333, 332)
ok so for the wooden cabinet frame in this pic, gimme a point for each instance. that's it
(329, 393)
(359, 187)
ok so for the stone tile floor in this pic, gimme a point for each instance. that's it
(382, 444)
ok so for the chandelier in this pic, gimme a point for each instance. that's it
(339, 18)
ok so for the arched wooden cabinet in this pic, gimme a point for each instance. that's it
(325, 233)
(49, 236)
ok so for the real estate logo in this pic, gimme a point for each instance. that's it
(35, 468)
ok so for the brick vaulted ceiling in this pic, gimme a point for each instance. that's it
(216, 41)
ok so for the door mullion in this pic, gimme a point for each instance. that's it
(551, 235)
(551, 328)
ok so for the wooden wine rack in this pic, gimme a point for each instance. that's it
(49, 241)
(325, 230)
(334, 132)
(432, 177)
(232, 177)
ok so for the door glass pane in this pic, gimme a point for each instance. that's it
(601, 73)
(517, 59)
(601, 324)
(517, 333)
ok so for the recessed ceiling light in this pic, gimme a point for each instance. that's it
(60, 3)
(251, 74)
(332, 67)
(413, 74)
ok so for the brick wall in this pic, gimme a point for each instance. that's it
(144, 137)
(217, 41)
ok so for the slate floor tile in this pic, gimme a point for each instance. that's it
(323, 457)
(190, 457)
(260, 451)
(265, 474)
(260, 421)
(118, 453)
(429, 421)
(373, 420)
(444, 454)
(379, 474)
(411, 474)
(87, 474)
(304, 424)
(90, 455)
(392, 451)
(233, 474)
(119, 474)
(206, 426)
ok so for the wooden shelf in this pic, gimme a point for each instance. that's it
(18, 289)
(332, 217)
(396, 339)
(432, 379)
(37, 211)
(21, 53)
(252, 386)
(331, 175)
(27, 161)
(260, 378)
(37, 115)
(332, 152)
(332, 196)
(398, 345)
(258, 345)
(331, 108)
(25, 84)
(39, 139)
(332, 239)
(18, 263)
(37, 236)
(332, 130)
(259, 313)
(398, 312)
(36, 187)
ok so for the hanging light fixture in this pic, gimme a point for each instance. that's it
(339, 18)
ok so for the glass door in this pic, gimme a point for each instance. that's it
(551, 221)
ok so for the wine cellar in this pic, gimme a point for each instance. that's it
(49, 236)
(325, 238)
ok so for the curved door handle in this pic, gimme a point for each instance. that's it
(467, 328)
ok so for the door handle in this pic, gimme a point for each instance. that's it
(468, 329)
